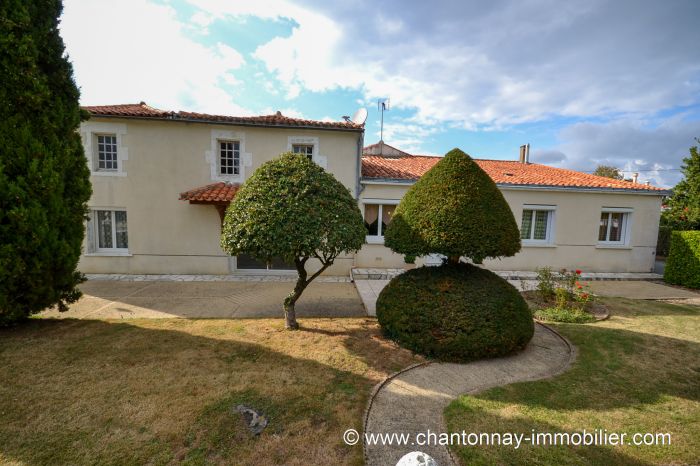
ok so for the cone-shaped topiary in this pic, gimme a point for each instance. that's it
(455, 312)
(455, 209)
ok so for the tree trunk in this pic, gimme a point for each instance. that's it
(290, 316)
(453, 260)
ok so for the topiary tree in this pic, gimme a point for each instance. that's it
(457, 311)
(456, 210)
(293, 209)
(44, 179)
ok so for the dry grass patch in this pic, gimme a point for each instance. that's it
(162, 391)
(638, 371)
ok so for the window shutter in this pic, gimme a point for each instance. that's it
(90, 233)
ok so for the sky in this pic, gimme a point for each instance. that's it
(584, 83)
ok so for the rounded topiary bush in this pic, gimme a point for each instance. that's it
(455, 312)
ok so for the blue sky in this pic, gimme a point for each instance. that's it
(585, 83)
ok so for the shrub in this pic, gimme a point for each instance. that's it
(546, 283)
(292, 208)
(456, 210)
(44, 179)
(572, 316)
(455, 312)
(683, 263)
(663, 243)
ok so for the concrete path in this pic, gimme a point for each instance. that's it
(115, 299)
(640, 290)
(413, 401)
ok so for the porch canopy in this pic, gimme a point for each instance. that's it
(217, 194)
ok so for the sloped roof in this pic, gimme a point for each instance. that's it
(503, 172)
(142, 110)
(212, 193)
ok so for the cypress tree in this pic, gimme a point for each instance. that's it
(44, 179)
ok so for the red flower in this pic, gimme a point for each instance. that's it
(584, 295)
(578, 272)
(580, 287)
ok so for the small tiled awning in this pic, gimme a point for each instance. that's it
(218, 194)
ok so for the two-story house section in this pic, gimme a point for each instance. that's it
(162, 180)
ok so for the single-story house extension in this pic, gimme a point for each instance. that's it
(162, 181)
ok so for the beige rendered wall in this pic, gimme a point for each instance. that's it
(575, 231)
(169, 236)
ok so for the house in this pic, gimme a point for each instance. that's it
(162, 180)
(568, 219)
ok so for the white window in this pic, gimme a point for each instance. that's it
(229, 157)
(537, 224)
(614, 226)
(107, 159)
(306, 149)
(377, 217)
(108, 231)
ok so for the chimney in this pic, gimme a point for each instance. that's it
(525, 153)
(647, 183)
(634, 177)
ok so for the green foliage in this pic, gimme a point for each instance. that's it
(683, 263)
(546, 283)
(409, 259)
(455, 312)
(567, 315)
(292, 208)
(684, 204)
(608, 171)
(44, 179)
(455, 209)
(663, 242)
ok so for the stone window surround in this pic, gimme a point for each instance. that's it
(321, 160)
(89, 132)
(212, 155)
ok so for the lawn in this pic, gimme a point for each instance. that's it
(639, 371)
(162, 391)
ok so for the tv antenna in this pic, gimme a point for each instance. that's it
(382, 105)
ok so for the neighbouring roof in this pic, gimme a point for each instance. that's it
(144, 111)
(503, 172)
(211, 194)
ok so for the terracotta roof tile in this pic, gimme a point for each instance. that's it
(141, 110)
(213, 193)
(505, 172)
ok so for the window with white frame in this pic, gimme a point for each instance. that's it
(107, 152)
(537, 224)
(109, 231)
(377, 218)
(229, 157)
(614, 226)
(306, 149)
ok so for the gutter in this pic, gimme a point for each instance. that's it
(360, 147)
(528, 187)
(229, 123)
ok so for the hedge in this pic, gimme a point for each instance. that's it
(683, 263)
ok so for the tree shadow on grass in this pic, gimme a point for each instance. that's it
(158, 391)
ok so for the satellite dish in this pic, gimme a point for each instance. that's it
(360, 116)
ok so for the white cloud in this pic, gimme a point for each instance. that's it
(653, 150)
(133, 50)
(485, 65)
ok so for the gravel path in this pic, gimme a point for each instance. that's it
(413, 400)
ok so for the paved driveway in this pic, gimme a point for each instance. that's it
(131, 299)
